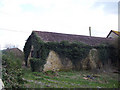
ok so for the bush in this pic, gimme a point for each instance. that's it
(36, 64)
(11, 71)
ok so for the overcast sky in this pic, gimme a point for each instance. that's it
(19, 17)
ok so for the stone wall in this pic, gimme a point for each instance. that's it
(55, 63)
(91, 61)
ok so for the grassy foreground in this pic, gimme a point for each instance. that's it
(71, 79)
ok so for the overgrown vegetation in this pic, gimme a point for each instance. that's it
(36, 64)
(71, 79)
(107, 53)
(11, 72)
(74, 51)
(116, 45)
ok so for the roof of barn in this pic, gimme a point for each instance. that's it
(115, 32)
(58, 37)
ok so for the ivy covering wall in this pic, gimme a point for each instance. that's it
(74, 51)
(107, 53)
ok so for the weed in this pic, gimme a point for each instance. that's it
(71, 79)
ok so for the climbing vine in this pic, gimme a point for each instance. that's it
(107, 52)
(74, 51)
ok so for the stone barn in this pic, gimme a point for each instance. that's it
(46, 51)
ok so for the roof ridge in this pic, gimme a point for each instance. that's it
(67, 34)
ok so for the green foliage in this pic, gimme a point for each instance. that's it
(27, 49)
(107, 53)
(71, 79)
(73, 50)
(11, 71)
(103, 53)
(116, 45)
(36, 64)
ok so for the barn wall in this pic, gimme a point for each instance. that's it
(55, 63)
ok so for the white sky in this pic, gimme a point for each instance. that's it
(19, 17)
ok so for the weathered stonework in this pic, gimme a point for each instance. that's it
(92, 61)
(67, 64)
(84, 63)
(93, 57)
(55, 63)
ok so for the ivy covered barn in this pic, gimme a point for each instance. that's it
(46, 51)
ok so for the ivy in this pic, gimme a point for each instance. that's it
(36, 64)
(107, 52)
(75, 51)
